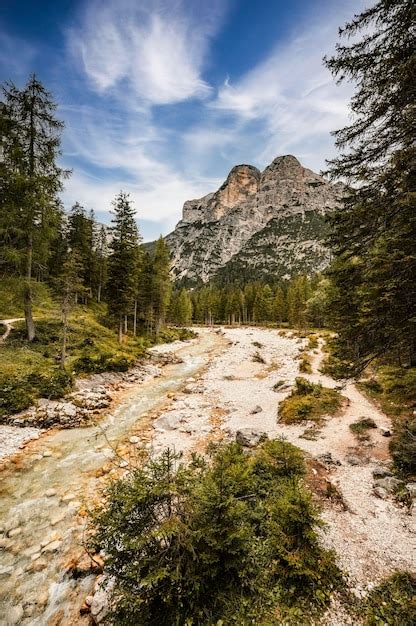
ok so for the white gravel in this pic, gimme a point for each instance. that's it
(13, 438)
(373, 537)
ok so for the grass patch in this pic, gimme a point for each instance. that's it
(257, 358)
(313, 342)
(361, 427)
(308, 402)
(11, 298)
(394, 389)
(31, 370)
(305, 364)
(392, 602)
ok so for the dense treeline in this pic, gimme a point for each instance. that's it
(299, 302)
(373, 235)
(81, 260)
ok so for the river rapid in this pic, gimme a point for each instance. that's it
(56, 478)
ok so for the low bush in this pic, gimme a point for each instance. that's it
(17, 393)
(392, 602)
(257, 358)
(403, 447)
(361, 427)
(309, 402)
(305, 364)
(232, 539)
(312, 342)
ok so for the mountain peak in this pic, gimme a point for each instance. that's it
(281, 209)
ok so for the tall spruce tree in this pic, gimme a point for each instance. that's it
(123, 261)
(30, 180)
(374, 302)
(160, 284)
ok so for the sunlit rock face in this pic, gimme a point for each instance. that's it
(260, 224)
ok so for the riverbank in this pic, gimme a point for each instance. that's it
(220, 390)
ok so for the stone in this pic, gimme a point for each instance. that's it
(50, 493)
(47, 453)
(385, 432)
(250, 438)
(411, 490)
(68, 497)
(381, 472)
(380, 492)
(5, 571)
(52, 547)
(390, 484)
(257, 409)
(15, 531)
(327, 459)
(100, 602)
(36, 566)
(134, 439)
(280, 208)
(14, 615)
(352, 459)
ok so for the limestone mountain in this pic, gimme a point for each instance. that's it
(268, 224)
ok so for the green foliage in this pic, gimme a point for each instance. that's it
(18, 393)
(373, 299)
(308, 402)
(228, 540)
(391, 602)
(403, 446)
(305, 364)
(360, 427)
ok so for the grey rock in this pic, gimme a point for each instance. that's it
(352, 459)
(411, 489)
(385, 432)
(390, 484)
(380, 492)
(14, 615)
(257, 409)
(381, 472)
(249, 438)
(327, 459)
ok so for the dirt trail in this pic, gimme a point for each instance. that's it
(9, 327)
(373, 537)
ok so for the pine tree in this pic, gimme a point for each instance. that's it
(279, 306)
(123, 261)
(374, 303)
(31, 179)
(181, 308)
(71, 285)
(102, 254)
(161, 285)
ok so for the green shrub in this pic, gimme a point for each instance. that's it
(305, 364)
(215, 541)
(312, 342)
(392, 602)
(15, 395)
(361, 427)
(18, 393)
(308, 402)
(403, 447)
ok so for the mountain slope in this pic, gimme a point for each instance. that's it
(257, 225)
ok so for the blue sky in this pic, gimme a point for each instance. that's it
(161, 98)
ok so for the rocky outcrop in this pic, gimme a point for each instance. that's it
(257, 222)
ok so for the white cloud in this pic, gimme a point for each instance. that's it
(156, 47)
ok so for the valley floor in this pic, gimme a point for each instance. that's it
(225, 390)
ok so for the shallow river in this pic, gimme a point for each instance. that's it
(41, 497)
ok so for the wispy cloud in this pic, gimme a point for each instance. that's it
(157, 48)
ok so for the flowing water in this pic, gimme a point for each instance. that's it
(41, 497)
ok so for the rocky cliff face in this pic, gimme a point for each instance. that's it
(258, 224)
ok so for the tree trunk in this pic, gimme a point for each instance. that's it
(120, 330)
(64, 334)
(125, 324)
(30, 325)
(135, 319)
